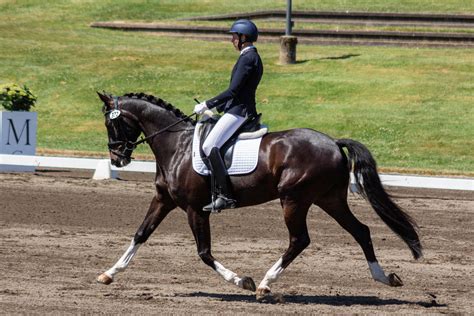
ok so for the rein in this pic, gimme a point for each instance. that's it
(144, 139)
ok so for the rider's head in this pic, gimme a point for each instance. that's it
(243, 31)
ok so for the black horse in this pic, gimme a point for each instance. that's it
(300, 167)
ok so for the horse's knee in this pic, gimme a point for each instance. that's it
(307, 241)
(301, 242)
(364, 234)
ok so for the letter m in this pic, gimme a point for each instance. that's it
(12, 130)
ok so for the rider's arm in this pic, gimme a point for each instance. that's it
(245, 66)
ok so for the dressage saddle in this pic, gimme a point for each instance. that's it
(251, 125)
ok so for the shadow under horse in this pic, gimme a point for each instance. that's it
(301, 167)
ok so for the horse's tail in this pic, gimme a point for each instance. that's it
(371, 188)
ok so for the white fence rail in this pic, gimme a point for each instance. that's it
(103, 170)
(102, 167)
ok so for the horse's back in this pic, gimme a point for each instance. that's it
(302, 156)
(303, 141)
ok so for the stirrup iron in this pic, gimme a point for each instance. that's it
(218, 204)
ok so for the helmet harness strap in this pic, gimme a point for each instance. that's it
(240, 41)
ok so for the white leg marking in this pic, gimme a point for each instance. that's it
(124, 261)
(272, 275)
(377, 273)
(228, 275)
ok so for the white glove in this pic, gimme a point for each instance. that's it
(200, 108)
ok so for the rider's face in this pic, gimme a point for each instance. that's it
(235, 40)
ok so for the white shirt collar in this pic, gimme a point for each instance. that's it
(246, 49)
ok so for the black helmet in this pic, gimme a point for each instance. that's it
(245, 27)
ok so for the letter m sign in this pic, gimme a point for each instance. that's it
(12, 132)
(18, 133)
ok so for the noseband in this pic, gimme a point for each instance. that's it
(115, 115)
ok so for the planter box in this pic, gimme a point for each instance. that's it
(18, 137)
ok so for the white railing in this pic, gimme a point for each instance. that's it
(102, 167)
(104, 170)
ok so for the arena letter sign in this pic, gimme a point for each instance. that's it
(17, 136)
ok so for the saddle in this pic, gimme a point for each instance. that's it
(251, 129)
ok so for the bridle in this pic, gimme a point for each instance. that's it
(116, 115)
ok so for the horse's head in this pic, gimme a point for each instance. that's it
(122, 128)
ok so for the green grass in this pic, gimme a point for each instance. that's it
(411, 107)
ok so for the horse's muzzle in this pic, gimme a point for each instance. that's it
(120, 162)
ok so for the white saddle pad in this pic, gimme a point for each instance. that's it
(244, 160)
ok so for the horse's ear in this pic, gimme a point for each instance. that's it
(104, 97)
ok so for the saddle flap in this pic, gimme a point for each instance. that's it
(240, 156)
(250, 129)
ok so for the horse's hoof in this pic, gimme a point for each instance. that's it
(248, 284)
(394, 280)
(264, 295)
(104, 279)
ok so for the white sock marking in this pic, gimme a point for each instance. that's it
(272, 275)
(377, 273)
(228, 275)
(124, 261)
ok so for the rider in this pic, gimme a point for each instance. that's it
(237, 103)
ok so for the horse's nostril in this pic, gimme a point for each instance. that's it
(115, 162)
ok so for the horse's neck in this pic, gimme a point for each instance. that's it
(169, 143)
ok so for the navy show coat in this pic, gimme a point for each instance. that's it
(239, 98)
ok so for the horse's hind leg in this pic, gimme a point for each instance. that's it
(336, 206)
(156, 213)
(295, 212)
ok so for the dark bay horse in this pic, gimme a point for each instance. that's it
(301, 167)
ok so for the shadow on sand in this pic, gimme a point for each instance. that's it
(337, 300)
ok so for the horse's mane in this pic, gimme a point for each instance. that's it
(161, 103)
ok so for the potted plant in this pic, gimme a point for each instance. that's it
(17, 125)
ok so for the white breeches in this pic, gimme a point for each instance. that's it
(224, 129)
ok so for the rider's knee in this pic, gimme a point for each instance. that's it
(207, 148)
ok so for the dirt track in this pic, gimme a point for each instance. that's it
(59, 230)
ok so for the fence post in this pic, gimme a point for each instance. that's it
(288, 49)
(288, 42)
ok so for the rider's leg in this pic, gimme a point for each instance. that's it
(224, 129)
(218, 170)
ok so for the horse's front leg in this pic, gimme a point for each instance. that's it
(158, 210)
(199, 222)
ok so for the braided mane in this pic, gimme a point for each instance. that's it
(161, 103)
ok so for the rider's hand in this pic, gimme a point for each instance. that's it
(200, 108)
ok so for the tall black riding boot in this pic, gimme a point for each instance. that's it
(219, 172)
